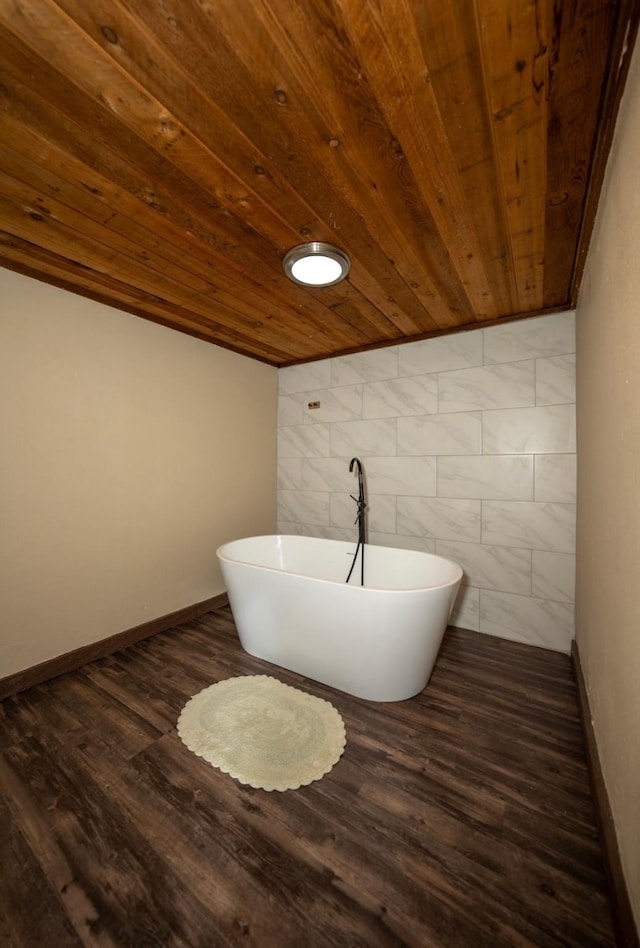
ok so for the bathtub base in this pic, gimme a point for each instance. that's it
(358, 683)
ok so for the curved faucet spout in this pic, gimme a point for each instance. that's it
(360, 498)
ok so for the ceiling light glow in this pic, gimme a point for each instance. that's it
(316, 264)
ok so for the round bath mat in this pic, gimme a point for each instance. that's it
(262, 732)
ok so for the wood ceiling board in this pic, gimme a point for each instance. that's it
(577, 58)
(170, 153)
(296, 139)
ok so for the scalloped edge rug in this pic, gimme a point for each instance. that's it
(262, 732)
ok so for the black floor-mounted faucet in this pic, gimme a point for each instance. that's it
(360, 520)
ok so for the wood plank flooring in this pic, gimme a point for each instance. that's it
(462, 817)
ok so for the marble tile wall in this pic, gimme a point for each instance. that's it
(468, 444)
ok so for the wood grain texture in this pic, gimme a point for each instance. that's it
(619, 58)
(164, 157)
(461, 817)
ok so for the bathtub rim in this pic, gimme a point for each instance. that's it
(341, 583)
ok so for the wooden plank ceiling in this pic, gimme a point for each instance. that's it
(163, 155)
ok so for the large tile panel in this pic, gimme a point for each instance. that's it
(290, 410)
(349, 438)
(304, 378)
(329, 532)
(401, 475)
(336, 404)
(440, 434)
(531, 526)
(303, 506)
(285, 528)
(554, 576)
(536, 338)
(525, 619)
(555, 478)
(466, 610)
(550, 429)
(303, 441)
(439, 518)
(506, 477)
(330, 474)
(491, 567)
(400, 542)
(492, 386)
(390, 399)
(364, 366)
(289, 474)
(556, 380)
(459, 351)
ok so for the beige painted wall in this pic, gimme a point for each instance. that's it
(128, 453)
(608, 545)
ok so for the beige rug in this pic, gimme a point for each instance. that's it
(262, 732)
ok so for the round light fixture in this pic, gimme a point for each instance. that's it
(316, 264)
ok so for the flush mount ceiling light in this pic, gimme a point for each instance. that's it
(316, 264)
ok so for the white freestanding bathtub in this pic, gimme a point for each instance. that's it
(379, 641)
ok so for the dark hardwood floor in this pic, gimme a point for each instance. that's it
(462, 817)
